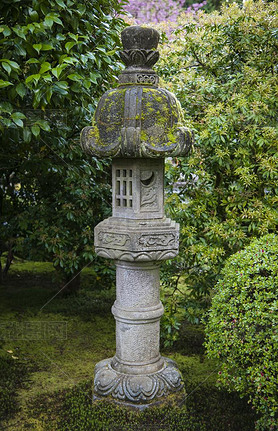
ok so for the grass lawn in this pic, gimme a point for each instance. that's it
(50, 344)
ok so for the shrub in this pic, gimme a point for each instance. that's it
(223, 68)
(242, 326)
(57, 59)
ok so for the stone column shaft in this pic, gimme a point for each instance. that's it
(137, 311)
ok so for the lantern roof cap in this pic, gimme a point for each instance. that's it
(138, 119)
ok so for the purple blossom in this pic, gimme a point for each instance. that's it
(195, 7)
(157, 11)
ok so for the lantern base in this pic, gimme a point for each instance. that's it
(139, 391)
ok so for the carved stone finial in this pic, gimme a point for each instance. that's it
(136, 37)
(140, 44)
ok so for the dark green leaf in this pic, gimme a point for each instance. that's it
(35, 130)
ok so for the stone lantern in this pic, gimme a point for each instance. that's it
(138, 124)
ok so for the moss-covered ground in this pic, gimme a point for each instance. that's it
(48, 349)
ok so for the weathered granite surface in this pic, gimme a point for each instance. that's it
(138, 119)
(137, 388)
(138, 124)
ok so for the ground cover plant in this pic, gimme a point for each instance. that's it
(46, 382)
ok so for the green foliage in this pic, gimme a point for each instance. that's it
(73, 409)
(242, 326)
(57, 59)
(13, 373)
(223, 68)
(170, 326)
(82, 415)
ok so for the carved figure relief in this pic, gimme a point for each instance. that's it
(111, 239)
(158, 240)
(149, 190)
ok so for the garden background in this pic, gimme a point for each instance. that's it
(58, 57)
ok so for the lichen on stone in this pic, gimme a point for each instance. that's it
(154, 114)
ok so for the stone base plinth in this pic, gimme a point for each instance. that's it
(140, 390)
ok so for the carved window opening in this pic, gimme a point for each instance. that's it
(147, 178)
(124, 188)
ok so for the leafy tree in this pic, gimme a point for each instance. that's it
(242, 327)
(57, 59)
(223, 69)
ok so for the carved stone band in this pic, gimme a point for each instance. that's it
(137, 315)
(143, 77)
(133, 240)
(136, 256)
(136, 388)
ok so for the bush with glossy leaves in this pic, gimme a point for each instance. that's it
(222, 67)
(58, 57)
(241, 331)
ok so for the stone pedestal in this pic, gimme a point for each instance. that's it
(137, 372)
(137, 390)
(138, 124)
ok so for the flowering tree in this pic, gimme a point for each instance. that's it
(159, 10)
